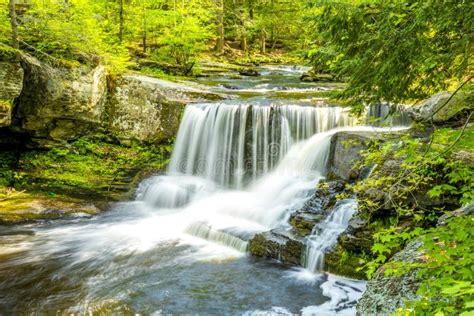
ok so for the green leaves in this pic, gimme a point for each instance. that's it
(392, 50)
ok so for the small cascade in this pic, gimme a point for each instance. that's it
(227, 238)
(384, 114)
(172, 191)
(233, 144)
(325, 234)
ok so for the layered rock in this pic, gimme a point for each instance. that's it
(316, 208)
(61, 104)
(11, 77)
(148, 109)
(281, 245)
(57, 105)
(288, 245)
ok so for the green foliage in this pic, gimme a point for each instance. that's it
(392, 50)
(444, 268)
(89, 165)
(437, 168)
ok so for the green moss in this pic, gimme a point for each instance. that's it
(89, 167)
(8, 53)
(20, 206)
(343, 262)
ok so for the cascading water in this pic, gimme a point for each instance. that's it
(237, 168)
(325, 234)
(234, 144)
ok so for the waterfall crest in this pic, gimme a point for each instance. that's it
(235, 144)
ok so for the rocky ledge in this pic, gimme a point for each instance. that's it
(57, 105)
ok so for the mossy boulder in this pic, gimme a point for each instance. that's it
(439, 111)
(278, 244)
(60, 104)
(340, 261)
(316, 208)
(11, 77)
(19, 206)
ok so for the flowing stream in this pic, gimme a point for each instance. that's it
(239, 167)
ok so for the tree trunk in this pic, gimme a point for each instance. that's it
(263, 42)
(121, 21)
(220, 28)
(14, 24)
(144, 26)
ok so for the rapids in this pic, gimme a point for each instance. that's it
(238, 167)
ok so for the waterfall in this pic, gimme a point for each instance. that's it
(234, 144)
(325, 234)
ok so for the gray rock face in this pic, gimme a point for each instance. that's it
(11, 77)
(61, 104)
(58, 105)
(384, 295)
(345, 153)
(435, 109)
(148, 109)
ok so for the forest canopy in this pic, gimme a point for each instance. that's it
(361, 42)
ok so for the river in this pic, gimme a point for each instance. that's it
(239, 167)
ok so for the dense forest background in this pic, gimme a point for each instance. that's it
(385, 51)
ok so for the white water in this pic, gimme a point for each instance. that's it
(324, 235)
(235, 144)
(237, 169)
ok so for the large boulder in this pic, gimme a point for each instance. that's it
(11, 77)
(148, 109)
(437, 109)
(345, 153)
(385, 294)
(59, 104)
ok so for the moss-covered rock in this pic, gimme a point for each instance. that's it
(437, 109)
(316, 208)
(279, 245)
(11, 77)
(19, 206)
(340, 261)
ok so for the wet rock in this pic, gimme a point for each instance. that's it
(11, 77)
(316, 208)
(340, 261)
(435, 109)
(230, 86)
(249, 72)
(345, 153)
(384, 295)
(358, 237)
(279, 245)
